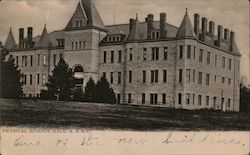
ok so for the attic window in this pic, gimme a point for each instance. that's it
(114, 39)
(79, 23)
(155, 35)
(60, 43)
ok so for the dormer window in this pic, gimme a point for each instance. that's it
(60, 42)
(115, 38)
(79, 23)
(155, 35)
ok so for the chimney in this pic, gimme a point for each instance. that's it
(204, 28)
(21, 38)
(232, 40)
(163, 31)
(197, 24)
(211, 27)
(220, 29)
(150, 21)
(30, 43)
(226, 34)
(130, 24)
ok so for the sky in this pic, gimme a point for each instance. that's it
(232, 14)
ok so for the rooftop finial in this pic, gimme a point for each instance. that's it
(10, 29)
(45, 26)
(136, 16)
(186, 11)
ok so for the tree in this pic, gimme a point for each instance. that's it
(103, 92)
(60, 83)
(11, 86)
(89, 91)
(244, 98)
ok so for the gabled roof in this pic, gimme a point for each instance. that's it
(186, 29)
(44, 40)
(87, 12)
(135, 33)
(10, 42)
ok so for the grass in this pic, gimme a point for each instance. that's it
(28, 113)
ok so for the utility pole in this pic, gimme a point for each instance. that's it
(249, 44)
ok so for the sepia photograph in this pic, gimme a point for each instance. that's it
(124, 77)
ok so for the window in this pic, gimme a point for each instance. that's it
(118, 98)
(44, 59)
(155, 35)
(193, 99)
(76, 45)
(187, 98)
(194, 76)
(129, 98)
(16, 60)
(223, 80)
(207, 79)
(180, 75)
(119, 56)
(165, 54)
(155, 53)
(223, 62)
(179, 99)
(163, 98)
(144, 54)
(77, 23)
(154, 76)
(199, 100)
(54, 59)
(181, 52)
(104, 57)
(130, 55)
(215, 78)
(25, 79)
(153, 98)
(61, 55)
(80, 45)
(130, 77)
(200, 78)
(31, 60)
(104, 74)
(38, 59)
(229, 81)
(119, 77)
(72, 45)
(229, 103)
(201, 55)
(143, 98)
(194, 52)
(230, 64)
(112, 57)
(215, 100)
(208, 57)
(188, 75)
(44, 79)
(144, 76)
(215, 60)
(83, 45)
(38, 79)
(188, 51)
(111, 77)
(164, 75)
(31, 81)
(24, 60)
(207, 100)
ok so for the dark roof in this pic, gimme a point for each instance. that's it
(135, 33)
(86, 11)
(186, 29)
(10, 42)
(113, 29)
(44, 40)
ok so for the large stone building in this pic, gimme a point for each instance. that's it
(147, 63)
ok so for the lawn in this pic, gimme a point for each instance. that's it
(29, 113)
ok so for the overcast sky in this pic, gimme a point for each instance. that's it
(232, 14)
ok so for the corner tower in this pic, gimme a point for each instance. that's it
(82, 36)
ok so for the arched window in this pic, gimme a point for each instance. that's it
(78, 69)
